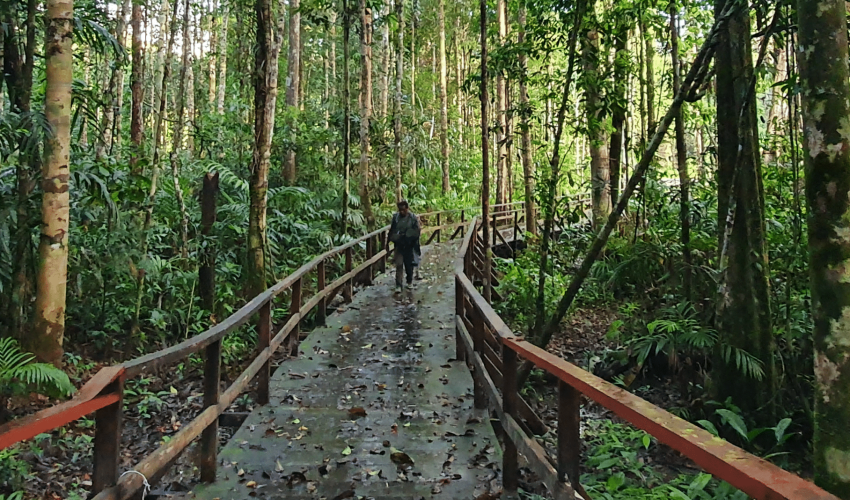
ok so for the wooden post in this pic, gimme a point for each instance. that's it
(347, 289)
(495, 228)
(510, 459)
(206, 273)
(370, 252)
(569, 444)
(107, 440)
(263, 340)
(516, 225)
(322, 313)
(209, 438)
(463, 223)
(295, 308)
(385, 249)
(478, 391)
(460, 351)
(439, 223)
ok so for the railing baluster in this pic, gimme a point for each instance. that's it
(460, 351)
(385, 249)
(209, 438)
(462, 223)
(495, 228)
(439, 231)
(107, 439)
(510, 459)
(569, 444)
(263, 340)
(478, 389)
(370, 252)
(322, 313)
(347, 288)
(295, 308)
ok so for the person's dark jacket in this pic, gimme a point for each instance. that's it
(405, 231)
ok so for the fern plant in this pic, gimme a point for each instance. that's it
(19, 373)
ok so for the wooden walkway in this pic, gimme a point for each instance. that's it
(375, 406)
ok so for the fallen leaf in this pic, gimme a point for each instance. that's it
(346, 451)
(357, 412)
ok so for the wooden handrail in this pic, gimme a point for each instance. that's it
(752, 475)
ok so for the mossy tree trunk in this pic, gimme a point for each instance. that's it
(826, 111)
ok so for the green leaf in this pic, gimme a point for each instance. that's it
(615, 482)
(780, 429)
(646, 440)
(708, 426)
(678, 494)
(735, 421)
(346, 451)
(699, 483)
(607, 464)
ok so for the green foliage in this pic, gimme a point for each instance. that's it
(13, 471)
(617, 458)
(19, 373)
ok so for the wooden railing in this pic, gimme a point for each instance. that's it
(103, 394)
(492, 352)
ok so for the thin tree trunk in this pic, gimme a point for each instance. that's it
(190, 93)
(618, 116)
(525, 129)
(485, 156)
(212, 28)
(178, 137)
(157, 144)
(681, 161)
(18, 71)
(265, 101)
(501, 114)
(650, 84)
(346, 113)
(137, 89)
(222, 59)
(49, 324)
(113, 90)
(551, 186)
(600, 180)
(399, 78)
(413, 61)
(826, 94)
(385, 62)
(365, 110)
(293, 85)
(444, 105)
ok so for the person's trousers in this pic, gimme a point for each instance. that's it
(403, 259)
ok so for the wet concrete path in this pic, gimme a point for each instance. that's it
(375, 406)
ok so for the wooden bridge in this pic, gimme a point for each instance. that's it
(390, 398)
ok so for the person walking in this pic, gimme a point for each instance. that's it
(404, 233)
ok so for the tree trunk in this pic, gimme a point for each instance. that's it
(18, 71)
(485, 156)
(49, 324)
(384, 85)
(501, 115)
(597, 135)
(346, 113)
(743, 302)
(650, 83)
(222, 59)
(413, 66)
(137, 89)
(444, 105)
(212, 28)
(293, 87)
(525, 129)
(113, 90)
(399, 78)
(618, 107)
(365, 110)
(190, 97)
(681, 160)
(178, 137)
(826, 106)
(265, 101)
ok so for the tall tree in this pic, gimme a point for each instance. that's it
(597, 134)
(177, 138)
(365, 109)
(743, 302)
(49, 321)
(526, 154)
(265, 101)
(444, 105)
(346, 113)
(293, 87)
(501, 113)
(399, 78)
(681, 159)
(222, 58)
(137, 89)
(825, 80)
(619, 105)
(485, 153)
